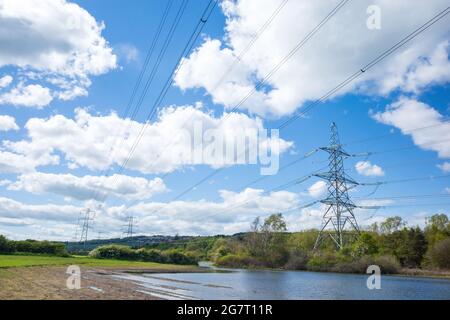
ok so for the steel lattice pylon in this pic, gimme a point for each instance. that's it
(88, 217)
(129, 233)
(339, 212)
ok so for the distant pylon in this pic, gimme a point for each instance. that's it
(88, 217)
(129, 233)
(77, 230)
(339, 211)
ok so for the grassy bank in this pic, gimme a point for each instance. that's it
(11, 261)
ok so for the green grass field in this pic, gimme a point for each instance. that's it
(8, 261)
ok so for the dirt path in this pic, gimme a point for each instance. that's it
(50, 283)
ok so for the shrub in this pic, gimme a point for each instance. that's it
(322, 261)
(114, 252)
(358, 265)
(150, 255)
(220, 251)
(297, 260)
(365, 245)
(338, 262)
(440, 254)
(387, 264)
(237, 261)
(41, 247)
(5, 245)
(176, 257)
(407, 245)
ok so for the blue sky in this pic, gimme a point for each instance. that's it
(68, 71)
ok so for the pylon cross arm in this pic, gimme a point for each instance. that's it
(331, 176)
(336, 150)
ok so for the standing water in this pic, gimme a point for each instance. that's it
(284, 285)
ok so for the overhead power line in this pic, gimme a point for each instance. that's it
(152, 75)
(405, 132)
(342, 84)
(367, 67)
(148, 56)
(262, 82)
(142, 73)
(312, 152)
(250, 44)
(300, 180)
(186, 50)
(286, 58)
(161, 55)
(190, 43)
(416, 196)
(144, 68)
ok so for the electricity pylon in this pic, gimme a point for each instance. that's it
(129, 233)
(88, 217)
(338, 216)
(77, 230)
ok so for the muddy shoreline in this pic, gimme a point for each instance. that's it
(49, 283)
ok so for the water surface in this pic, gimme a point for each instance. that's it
(284, 285)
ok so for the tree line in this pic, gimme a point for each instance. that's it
(121, 252)
(391, 244)
(32, 246)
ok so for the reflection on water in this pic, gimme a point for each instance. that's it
(283, 285)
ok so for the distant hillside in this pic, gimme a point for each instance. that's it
(137, 241)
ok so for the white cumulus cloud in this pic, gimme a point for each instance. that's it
(445, 166)
(233, 213)
(5, 81)
(409, 114)
(61, 46)
(11, 162)
(317, 189)
(366, 168)
(8, 123)
(13, 209)
(33, 95)
(165, 146)
(89, 187)
(339, 49)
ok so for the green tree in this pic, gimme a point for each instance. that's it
(392, 224)
(220, 249)
(437, 228)
(5, 245)
(374, 227)
(303, 240)
(274, 223)
(407, 245)
(440, 254)
(365, 245)
(267, 241)
(438, 221)
(254, 239)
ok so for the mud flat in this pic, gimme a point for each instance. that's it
(49, 283)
